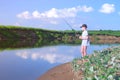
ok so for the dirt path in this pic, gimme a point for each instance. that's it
(62, 72)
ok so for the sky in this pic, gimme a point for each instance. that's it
(55, 14)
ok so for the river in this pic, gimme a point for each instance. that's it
(31, 63)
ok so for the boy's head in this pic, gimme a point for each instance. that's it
(84, 25)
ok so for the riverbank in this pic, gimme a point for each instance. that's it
(61, 72)
(39, 35)
(102, 65)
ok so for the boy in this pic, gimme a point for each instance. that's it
(85, 40)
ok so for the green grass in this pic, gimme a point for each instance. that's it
(105, 32)
(101, 65)
(20, 32)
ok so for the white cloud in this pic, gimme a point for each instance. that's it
(68, 12)
(86, 9)
(107, 8)
(36, 14)
(53, 16)
(55, 13)
(24, 15)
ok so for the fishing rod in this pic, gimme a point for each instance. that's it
(69, 25)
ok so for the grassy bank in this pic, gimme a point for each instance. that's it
(105, 32)
(20, 33)
(102, 65)
(91, 32)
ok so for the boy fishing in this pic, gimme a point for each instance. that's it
(85, 40)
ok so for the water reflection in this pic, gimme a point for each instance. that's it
(51, 56)
(20, 60)
(29, 64)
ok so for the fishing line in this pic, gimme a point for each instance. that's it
(68, 24)
(75, 33)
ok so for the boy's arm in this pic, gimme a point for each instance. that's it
(83, 38)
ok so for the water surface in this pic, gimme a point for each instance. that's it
(31, 63)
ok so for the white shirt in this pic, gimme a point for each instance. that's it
(85, 42)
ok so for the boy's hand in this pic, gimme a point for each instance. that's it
(80, 37)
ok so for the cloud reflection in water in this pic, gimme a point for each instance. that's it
(51, 55)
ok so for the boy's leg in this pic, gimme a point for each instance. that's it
(84, 50)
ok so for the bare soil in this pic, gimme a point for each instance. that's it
(62, 72)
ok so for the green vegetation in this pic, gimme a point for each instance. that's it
(38, 37)
(102, 65)
(59, 33)
(105, 32)
(23, 33)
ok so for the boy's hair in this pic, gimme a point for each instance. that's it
(84, 25)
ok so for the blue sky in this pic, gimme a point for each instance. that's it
(52, 14)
